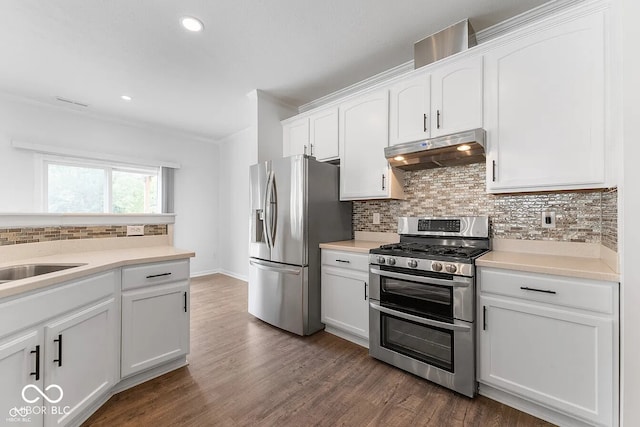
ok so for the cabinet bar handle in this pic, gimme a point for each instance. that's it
(383, 182)
(311, 149)
(484, 317)
(424, 122)
(158, 275)
(37, 372)
(185, 301)
(544, 291)
(438, 119)
(59, 359)
(305, 150)
(365, 291)
(493, 171)
(343, 260)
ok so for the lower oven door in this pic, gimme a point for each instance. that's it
(438, 351)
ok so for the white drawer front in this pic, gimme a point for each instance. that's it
(36, 308)
(350, 260)
(154, 274)
(593, 295)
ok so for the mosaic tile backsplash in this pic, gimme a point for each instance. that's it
(16, 236)
(581, 216)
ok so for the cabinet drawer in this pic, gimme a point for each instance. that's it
(350, 260)
(593, 295)
(154, 274)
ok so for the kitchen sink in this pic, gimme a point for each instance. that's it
(17, 272)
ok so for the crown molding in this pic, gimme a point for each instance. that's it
(358, 87)
(505, 27)
(536, 14)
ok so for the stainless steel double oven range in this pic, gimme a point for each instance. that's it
(422, 299)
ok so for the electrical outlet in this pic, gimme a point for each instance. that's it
(135, 230)
(376, 218)
(548, 219)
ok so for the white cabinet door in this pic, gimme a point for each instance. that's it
(409, 113)
(456, 97)
(81, 357)
(345, 301)
(323, 129)
(296, 137)
(545, 109)
(155, 326)
(364, 133)
(555, 357)
(21, 363)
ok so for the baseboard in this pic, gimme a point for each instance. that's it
(347, 336)
(205, 273)
(531, 408)
(242, 277)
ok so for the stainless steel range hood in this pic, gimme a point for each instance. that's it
(455, 149)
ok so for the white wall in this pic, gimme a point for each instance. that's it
(266, 114)
(196, 189)
(237, 153)
(630, 215)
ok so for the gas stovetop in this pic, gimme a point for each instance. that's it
(423, 250)
(442, 245)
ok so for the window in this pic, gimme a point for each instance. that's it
(79, 186)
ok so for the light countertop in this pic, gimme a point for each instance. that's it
(359, 246)
(582, 267)
(95, 262)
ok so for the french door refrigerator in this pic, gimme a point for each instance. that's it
(294, 207)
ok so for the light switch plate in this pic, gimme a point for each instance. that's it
(376, 218)
(135, 230)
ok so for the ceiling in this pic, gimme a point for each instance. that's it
(94, 51)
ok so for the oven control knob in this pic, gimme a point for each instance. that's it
(391, 261)
(412, 263)
(380, 260)
(436, 266)
(450, 268)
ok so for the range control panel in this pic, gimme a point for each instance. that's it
(449, 225)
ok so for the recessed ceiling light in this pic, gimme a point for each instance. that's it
(192, 24)
(126, 98)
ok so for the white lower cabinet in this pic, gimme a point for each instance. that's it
(155, 323)
(20, 365)
(551, 354)
(60, 348)
(81, 357)
(345, 295)
(155, 326)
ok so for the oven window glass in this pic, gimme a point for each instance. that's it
(430, 300)
(433, 346)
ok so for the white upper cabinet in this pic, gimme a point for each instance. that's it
(456, 96)
(296, 137)
(409, 113)
(315, 134)
(545, 109)
(364, 133)
(323, 141)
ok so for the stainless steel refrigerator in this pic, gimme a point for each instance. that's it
(294, 207)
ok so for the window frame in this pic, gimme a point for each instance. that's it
(108, 167)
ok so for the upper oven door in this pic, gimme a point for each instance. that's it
(446, 297)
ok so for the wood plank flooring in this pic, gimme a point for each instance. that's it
(244, 372)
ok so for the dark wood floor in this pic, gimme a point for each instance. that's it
(245, 372)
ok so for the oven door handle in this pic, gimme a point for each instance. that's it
(421, 320)
(458, 281)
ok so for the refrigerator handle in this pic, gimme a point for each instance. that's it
(273, 221)
(267, 212)
(277, 268)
